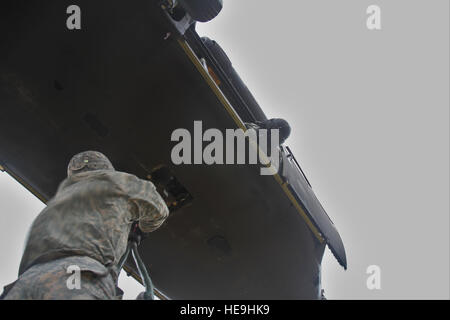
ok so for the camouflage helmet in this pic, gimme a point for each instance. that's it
(88, 161)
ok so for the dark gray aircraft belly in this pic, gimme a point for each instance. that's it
(118, 87)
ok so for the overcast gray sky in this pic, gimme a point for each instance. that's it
(369, 112)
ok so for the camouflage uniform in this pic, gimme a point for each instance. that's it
(49, 281)
(88, 220)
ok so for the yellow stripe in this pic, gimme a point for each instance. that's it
(190, 53)
(187, 49)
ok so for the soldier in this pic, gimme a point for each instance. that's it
(85, 227)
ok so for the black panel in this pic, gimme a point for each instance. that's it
(119, 87)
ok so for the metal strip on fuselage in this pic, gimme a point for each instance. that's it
(226, 104)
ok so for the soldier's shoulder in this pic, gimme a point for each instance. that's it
(122, 175)
(128, 179)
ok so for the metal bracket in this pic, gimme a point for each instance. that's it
(181, 25)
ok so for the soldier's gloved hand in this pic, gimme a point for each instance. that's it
(136, 234)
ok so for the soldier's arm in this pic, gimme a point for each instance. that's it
(147, 206)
